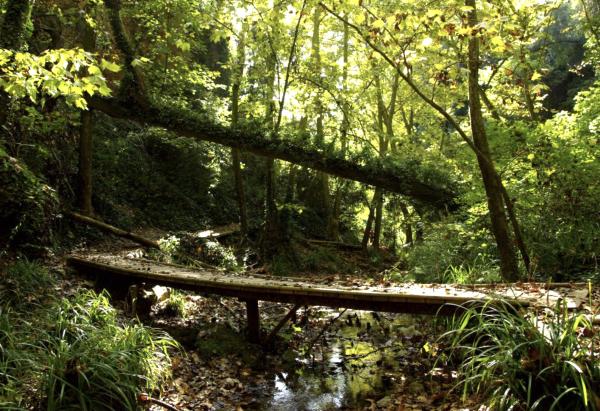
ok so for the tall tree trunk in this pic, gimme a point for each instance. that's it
(334, 226)
(322, 179)
(508, 262)
(385, 131)
(88, 42)
(13, 32)
(235, 153)
(270, 239)
(273, 233)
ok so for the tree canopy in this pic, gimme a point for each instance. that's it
(445, 103)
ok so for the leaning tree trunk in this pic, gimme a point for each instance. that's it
(139, 108)
(508, 261)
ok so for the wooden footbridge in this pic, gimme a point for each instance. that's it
(408, 298)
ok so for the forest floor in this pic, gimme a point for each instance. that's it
(325, 359)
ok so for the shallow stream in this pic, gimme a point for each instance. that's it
(362, 362)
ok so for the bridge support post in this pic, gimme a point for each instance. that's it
(253, 319)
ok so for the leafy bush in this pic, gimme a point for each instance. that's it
(218, 254)
(518, 361)
(461, 251)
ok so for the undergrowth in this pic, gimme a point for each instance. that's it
(518, 361)
(73, 352)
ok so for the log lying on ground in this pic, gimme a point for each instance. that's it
(111, 229)
(218, 232)
(406, 180)
(336, 244)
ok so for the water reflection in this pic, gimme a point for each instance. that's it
(352, 370)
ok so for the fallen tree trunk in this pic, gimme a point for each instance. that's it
(337, 244)
(404, 179)
(217, 232)
(112, 229)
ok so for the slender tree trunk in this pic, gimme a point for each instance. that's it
(239, 189)
(508, 261)
(407, 226)
(385, 129)
(378, 221)
(290, 194)
(369, 225)
(455, 124)
(529, 101)
(235, 153)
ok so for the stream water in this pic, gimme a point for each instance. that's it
(360, 364)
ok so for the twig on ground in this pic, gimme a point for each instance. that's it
(144, 398)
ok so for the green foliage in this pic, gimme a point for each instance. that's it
(556, 183)
(70, 73)
(518, 361)
(169, 245)
(150, 177)
(184, 250)
(14, 359)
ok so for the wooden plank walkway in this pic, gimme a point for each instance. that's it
(403, 298)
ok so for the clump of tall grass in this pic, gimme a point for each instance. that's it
(175, 304)
(520, 361)
(97, 363)
(75, 352)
